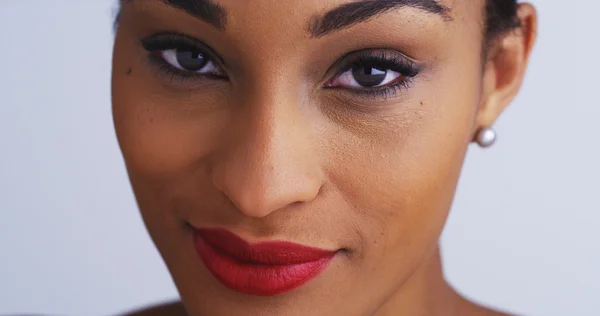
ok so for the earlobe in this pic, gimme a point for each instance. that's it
(505, 67)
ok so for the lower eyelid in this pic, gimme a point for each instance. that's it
(379, 93)
(374, 92)
(156, 60)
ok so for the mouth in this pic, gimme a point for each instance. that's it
(261, 269)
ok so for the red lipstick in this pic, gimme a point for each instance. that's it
(263, 269)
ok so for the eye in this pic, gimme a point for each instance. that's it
(366, 76)
(189, 60)
(374, 70)
(181, 56)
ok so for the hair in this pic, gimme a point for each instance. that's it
(500, 17)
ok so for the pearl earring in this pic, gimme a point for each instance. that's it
(486, 137)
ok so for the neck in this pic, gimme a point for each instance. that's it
(426, 292)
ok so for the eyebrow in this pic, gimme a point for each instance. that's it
(338, 18)
(205, 10)
(360, 11)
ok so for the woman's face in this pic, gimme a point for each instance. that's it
(335, 124)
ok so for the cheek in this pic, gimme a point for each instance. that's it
(161, 132)
(401, 179)
(157, 139)
(163, 153)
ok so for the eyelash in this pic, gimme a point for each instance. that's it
(365, 58)
(165, 41)
(382, 59)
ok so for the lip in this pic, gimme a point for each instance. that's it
(261, 269)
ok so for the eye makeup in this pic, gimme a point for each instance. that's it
(383, 61)
(364, 68)
(156, 44)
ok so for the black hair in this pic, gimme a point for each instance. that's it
(500, 17)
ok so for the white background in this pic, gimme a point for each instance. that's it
(523, 234)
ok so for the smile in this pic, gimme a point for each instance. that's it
(262, 269)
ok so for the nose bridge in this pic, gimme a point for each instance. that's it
(268, 163)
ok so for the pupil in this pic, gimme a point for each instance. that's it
(191, 60)
(368, 76)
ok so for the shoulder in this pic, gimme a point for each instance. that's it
(167, 309)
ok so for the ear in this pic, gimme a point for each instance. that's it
(505, 67)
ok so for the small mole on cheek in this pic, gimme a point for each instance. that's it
(421, 102)
(129, 71)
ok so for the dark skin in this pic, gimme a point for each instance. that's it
(276, 139)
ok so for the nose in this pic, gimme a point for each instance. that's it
(268, 160)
